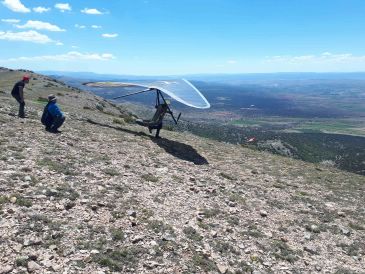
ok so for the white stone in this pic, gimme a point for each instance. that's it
(33, 267)
(222, 268)
(6, 269)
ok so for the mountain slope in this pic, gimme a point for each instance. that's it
(105, 196)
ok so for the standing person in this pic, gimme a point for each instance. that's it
(52, 116)
(18, 94)
(156, 121)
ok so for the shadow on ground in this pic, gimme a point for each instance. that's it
(179, 150)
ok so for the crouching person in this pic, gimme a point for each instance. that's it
(52, 117)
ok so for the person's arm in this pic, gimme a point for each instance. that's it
(21, 94)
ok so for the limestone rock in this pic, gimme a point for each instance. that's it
(33, 267)
(222, 268)
(345, 231)
(132, 213)
(6, 269)
(263, 213)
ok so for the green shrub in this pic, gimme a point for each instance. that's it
(111, 172)
(20, 201)
(117, 260)
(42, 100)
(192, 234)
(119, 121)
(129, 119)
(149, 178)
(117, 234)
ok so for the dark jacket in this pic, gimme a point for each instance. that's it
(15, 90)
(54, 110)
(50, 112)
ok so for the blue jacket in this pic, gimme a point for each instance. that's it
(54, 110)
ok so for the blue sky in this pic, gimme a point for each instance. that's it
(155, 37)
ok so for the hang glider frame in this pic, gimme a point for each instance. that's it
(159, 97)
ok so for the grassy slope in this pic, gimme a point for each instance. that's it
(74, 191)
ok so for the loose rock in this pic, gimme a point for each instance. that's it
(263, 213)
(33, 267)
(132, 213)
(6, 269)
(222, 268)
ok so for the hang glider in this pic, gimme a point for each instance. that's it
(180, 90)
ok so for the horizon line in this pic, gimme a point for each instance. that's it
(202, 73)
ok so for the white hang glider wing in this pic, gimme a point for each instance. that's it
(180, 90)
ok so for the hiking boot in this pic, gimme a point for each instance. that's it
(55, 131)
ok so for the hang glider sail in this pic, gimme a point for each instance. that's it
(180, 90)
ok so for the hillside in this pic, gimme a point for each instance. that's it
(105, 197)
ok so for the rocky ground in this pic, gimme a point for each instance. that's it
(106, 197)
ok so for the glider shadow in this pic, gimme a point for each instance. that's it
(179, 150)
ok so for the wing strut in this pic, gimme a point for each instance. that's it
(134, 93)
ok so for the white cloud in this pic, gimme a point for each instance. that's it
(41, 9)
(10, 21)
(63, 7)
(110, 35)
(326, 53)
(15, 5)
(70, 56)
(91, 11)
(96, 27)
(324, 58)
(26, 36)
(231, 62)
(39, 25)
(80, 26)
(59, 44)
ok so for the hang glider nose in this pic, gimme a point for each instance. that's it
(181, 90)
